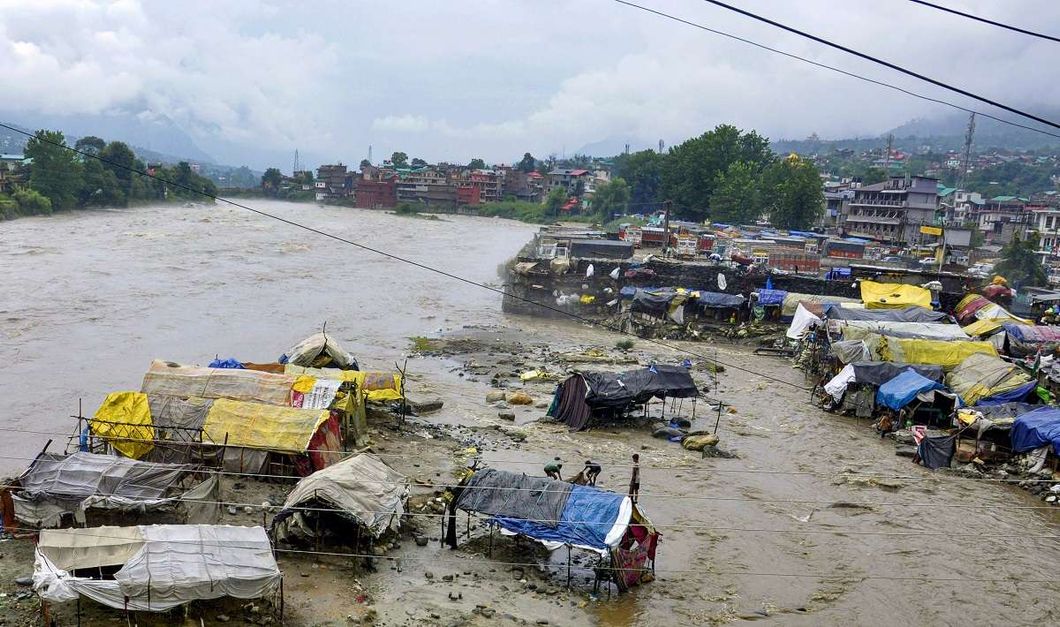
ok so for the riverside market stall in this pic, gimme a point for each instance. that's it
(557, 514)
(158, 567)
(586, 395)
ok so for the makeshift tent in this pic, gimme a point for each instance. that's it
(583, 393)
(378, 387)
(876, 373)
(984, 328)
(1026, 340)
(124, 420)
(161, 566)
(893, 295)
(975, 307)
(251, 431)
(901, 390)
(55, 486)
(556, 513)
(792, 300)
(361, 489)
(166, 378)
(320, 351)
(858, 329)
(983, 376)
(801, 321)
(719, 300)
(938, 352)
(905, 314)
(770, 298)
(1037, 428)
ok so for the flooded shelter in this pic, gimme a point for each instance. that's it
(587, 395)
(154, 568)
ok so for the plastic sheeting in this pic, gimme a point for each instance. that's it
(879, 372)
(893, 295)
(513, 495)
(124, 420)
(858, 329)
(850, 351)
(792, 300)
(801, 321)
(266, 427)
(320, 350)
(941, 353)
(608, 389)
(162, 566)
(720, 300)
(983, 328)
(591, 519)
(837, 385)
(982, 376)
(172, 379)
(362, 488)
(905, 314)
(767, 297)
(378, 387)
(901, 390)
(1037, 428)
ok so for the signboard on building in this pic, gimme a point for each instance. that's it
(931, 230)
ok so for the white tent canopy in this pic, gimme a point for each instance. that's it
(162, 566)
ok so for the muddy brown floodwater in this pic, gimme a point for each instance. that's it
(816, 521)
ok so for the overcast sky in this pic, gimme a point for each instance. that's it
(249, 80)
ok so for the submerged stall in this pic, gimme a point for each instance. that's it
(154, 567)
(608, 394)
(556, 514)
(89, 489)
(987, 379)
(359, 492)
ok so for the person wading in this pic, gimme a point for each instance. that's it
(552, 469)
(592, 471)
(634, 479)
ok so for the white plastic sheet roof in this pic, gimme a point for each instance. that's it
(163, 566)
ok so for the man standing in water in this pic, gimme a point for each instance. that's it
(592, 471)
(634, 480)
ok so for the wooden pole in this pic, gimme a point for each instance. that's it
(568, 567)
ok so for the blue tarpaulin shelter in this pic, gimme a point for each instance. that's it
(1011, 396)
(720, 300)
(768, 298)
(1037, 428)
(901, 390)
(587, 518)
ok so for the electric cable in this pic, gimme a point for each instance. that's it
(888, 64)
(866, 79)
(984, 20)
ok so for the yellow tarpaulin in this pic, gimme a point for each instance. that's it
(377, 387)
(255, 425)
(981, 328)
(948, 354)
(124, 420)
(893, 295)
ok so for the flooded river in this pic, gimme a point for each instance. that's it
(815, 522)
(90, 298)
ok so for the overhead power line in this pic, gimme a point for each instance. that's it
(887, 64)
(984, 20)
(837, 70)
(399, 258)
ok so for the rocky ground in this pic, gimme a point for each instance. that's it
(795, 514)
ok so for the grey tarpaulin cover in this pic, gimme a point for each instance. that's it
(320, 351)
(848, 351)
(166, 378)
(911, 313)
(514, 495)
(608, 389)
(162, 566)
(880, 372)
(362, 488)
(55, 485)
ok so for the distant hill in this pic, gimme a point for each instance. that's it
(611, 146)
(942, 133)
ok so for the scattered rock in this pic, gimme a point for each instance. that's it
(683, 423)
(24, 581)
(494, 396)
(421, 540)
(506, 415)
(232, 510)
(519, 398)
(665, 433)
(447, 577)
(698, 442)
(428, 575)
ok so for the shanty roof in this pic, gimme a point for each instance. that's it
(87, 474)
(362, 487)
(162, 566)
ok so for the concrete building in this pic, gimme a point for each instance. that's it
(573, 180)
(1003, 217)
(332, 182)
(893, 211)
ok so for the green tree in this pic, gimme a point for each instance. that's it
(418, 163)
(56, 172)
(527, 163)
(365, 164)
(121, 160)
(555, 200)
(643, 172)
(477, 164)
(399, 159)
(735, 198)
(31, 203)
(1020, 264)
(791, 193)
(100, 187)
(243, 177)
(270, 181)
(92, 145)
(692, 167)
(610, 198)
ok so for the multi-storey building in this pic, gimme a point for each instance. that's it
(892, 211)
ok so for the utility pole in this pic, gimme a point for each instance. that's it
(297, 166)
(666, 225)
(967, 157)
(887, 158)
